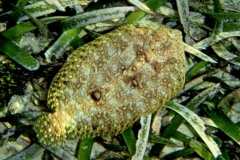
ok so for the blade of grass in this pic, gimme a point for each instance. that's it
(219, 22)
(218, 80)
(31, 152)
(13, 51)
(235, 42)
(15, 14)
(134, 17)
(141, 6)
(85, 148)
(231, 26)
(143, 134)
(204, 85)
(200, 149)
(130, 140)
(198, 53)
(181, 137)
(61, 44)
(225, 124)
(178, 154)
(228, 104)
(222, 52)
(38, 23)
(38, 9)
(197, 124)
(95, 16)
(196, 70)
(230, 15)
(183, 11)
(201, 97)
(161, 140)
(192, 83)
(57, 4)
(61, 152)
(221, 36)
(25, 27)
(225, 154)
(217, 29)
(177, 120)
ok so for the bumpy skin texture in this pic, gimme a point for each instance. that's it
(107, 85)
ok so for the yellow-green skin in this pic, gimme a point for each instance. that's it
(107, 85)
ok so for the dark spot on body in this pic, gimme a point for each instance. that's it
(134, 82)
(156, 66)
(96, 95)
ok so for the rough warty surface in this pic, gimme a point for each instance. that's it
(107, 85)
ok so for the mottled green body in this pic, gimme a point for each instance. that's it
(107, 85)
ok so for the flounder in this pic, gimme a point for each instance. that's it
(108, 84)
